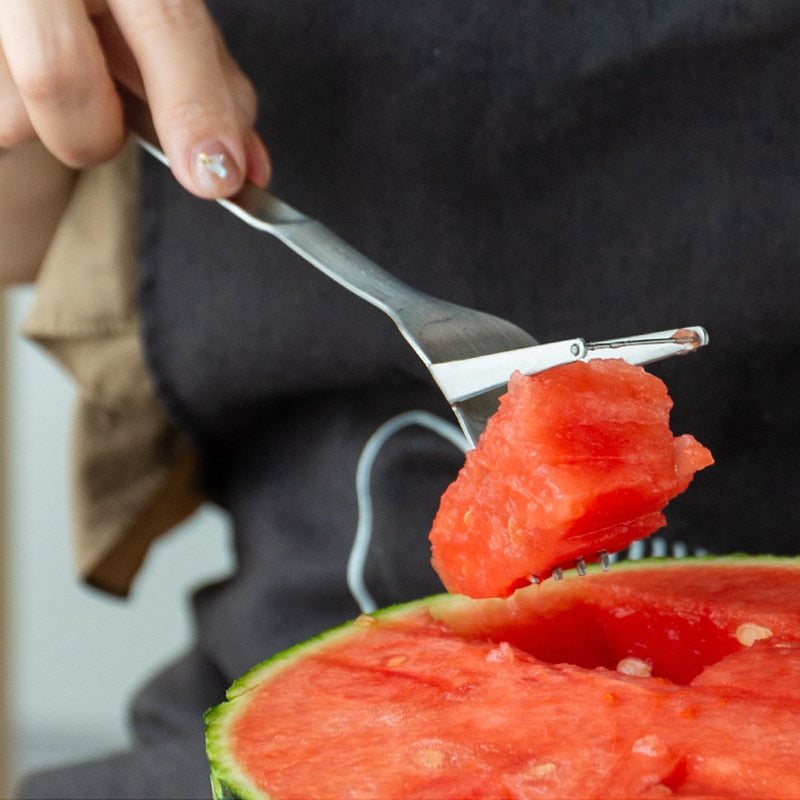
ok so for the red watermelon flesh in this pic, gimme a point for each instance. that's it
(578, 460)
(532, 696)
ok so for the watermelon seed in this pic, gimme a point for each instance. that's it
(430, 758)
(748, 633)
(650, 745)
(580, 565)
(534, 579)
(605, 561)
(635, 666)
(558, 573)
(542, 770)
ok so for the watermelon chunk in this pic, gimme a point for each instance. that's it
(578, 460)
(658, 678)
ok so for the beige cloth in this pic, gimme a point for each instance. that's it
(132, 472)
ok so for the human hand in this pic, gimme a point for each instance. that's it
(60, 63)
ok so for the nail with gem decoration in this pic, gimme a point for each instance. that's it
(215, 170)
(214, 163)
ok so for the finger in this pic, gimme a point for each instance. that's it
(15, 125)
(259, 167)
(199, 125)
(58, 67)
(125, 70)
(121, 61)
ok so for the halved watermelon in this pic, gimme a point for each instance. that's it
(578, 460)
(657, 678)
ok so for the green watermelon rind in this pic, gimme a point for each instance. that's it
(226, 782)
(226, 779)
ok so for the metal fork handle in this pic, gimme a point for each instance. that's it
(341, 262)
(318, 245)
(310, 239)
(322, 248)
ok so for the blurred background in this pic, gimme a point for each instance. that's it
(71, 657)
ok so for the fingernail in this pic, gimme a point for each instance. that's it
(215, 170)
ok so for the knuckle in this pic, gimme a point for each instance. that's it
(65, 95)
(53, 77)
(187, 112)
(37, 81)
(85, 153)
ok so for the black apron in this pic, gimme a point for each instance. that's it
(582, 169)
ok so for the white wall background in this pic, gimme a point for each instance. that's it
(77, 655)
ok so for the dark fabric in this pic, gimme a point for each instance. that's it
(593, 169)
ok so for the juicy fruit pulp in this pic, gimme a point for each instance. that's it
(578, 460)
(532, 696)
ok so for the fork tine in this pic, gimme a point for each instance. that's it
(473, 385)
(474, 412)
(465, 378)
(650, 347)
